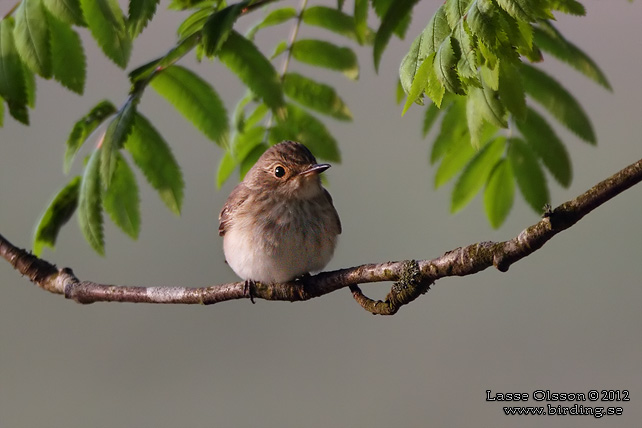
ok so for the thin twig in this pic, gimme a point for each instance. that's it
(413, 278)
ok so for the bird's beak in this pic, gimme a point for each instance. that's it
(315, 169)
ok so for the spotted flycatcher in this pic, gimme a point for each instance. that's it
(279, 223)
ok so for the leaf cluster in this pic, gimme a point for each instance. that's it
(38, 37)
(473, 62)
(278, 105)
(470, 60)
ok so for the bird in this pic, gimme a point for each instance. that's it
(280, 223)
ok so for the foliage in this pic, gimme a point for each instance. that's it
(470, 60)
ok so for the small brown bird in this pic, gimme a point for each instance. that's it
(279, 223)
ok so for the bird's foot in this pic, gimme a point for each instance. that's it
(247, 290)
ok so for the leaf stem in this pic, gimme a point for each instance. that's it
(286, 61)
(293, 36)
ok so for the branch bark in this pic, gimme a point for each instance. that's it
(411, 277)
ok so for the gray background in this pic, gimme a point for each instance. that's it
(566, 319)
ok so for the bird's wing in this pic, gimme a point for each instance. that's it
(337, 221)
(234, 201)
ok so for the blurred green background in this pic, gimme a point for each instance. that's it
(566, 319)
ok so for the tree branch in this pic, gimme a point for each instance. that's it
(412, 278)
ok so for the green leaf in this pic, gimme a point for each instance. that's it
(19, 112)
(251, 159)
(90, 215)
(121, 200)
(303, 127)
(241, 122)
(550, 40)
(435, 90)
(528, 173)
(107, 24)
(543, 140)
(238, 115)
(243, 57)
(569, 6)
(467, 64)
(154, 158)
(511, 90)
(12, 78)
(30, 86)
(140, 13)
(257, 115)
(476, 173)
(453, 128)
(361, 21)
(217, 28)
(317, 96)
(558, 101)
(68, 11)
(190, 4)
(389, 23)
(225, 169)
(487, 104)
(419, 84)
(336, 21)
(446, 67)
(84, 127)
(32, 37)
(423, 47)
(194, 23)
(522, 10)
(245, 142)
(55, 216)
(455, 11)
(455, 159)
(1, 112)
(490, 75)
(382, 8)
(483, 23)
(499, 193)
(195, 99)
(281, 47)
(275, 17)
(431, 114)
(115, 136)
(325, 54)
(68, 57)
(475, 118)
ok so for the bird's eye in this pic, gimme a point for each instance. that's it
(279, 171)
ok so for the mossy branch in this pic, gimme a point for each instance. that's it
(412, 278)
